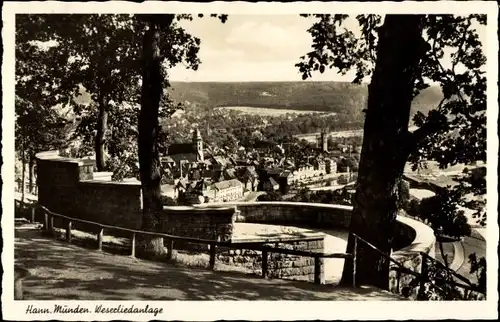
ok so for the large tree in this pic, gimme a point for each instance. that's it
(96, 54)
(39, 125)
(403, 54)
(164, 45)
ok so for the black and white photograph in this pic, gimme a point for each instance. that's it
(300, 160)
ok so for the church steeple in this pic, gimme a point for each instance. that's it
(198, 142)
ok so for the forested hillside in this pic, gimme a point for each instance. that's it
(339, 97)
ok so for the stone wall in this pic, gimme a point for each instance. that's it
(211, 224)
(411, 236)
(217, 223)
(293, 214)
(68, 187)
(111, 203)
(279, 265)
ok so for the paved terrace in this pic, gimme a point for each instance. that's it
(67, 272)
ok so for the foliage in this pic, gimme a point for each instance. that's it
(443, 214)
(403, 194)
(478, 267)
(168, 201)
(99, 56)
(443, 284)
(38, 129)
(39, 126)
(338, 197)
(270, 196)
(452, 132)
(342, 179)
(347, 163)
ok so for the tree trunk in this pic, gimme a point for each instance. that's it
(100, 139)
(149, 162)
(31, 166)
(23, 176)
(400, 49)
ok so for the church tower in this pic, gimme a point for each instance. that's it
(198, 143)
(324, 140)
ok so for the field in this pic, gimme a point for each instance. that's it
(312, 137)
(269, 111)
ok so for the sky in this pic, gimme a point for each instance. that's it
(262, 47)
(251, 48)
(255, 48)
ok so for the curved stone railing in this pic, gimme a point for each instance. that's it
(291, 213)
(412, 237)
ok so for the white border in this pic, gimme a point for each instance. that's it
(259, 310)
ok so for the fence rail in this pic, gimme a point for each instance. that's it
(423, 277)
(48, 225)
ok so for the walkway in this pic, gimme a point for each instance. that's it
(67, 272)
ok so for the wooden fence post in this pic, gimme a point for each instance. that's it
(317, 269)
(264, 263)
(398, 276)
(213, 252)
(33, 214)
(51, 224)
(68, 232)
(423, 278)
(99, 239)
(45, 221)
(170, 249)
(354, 260)
(132, 251)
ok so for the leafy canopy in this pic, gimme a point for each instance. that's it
(454, 131)
(99, 54)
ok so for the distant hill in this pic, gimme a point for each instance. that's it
(338, 97)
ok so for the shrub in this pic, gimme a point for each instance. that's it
(404, 194)
(270, 196)
(343, 180)
(442, 212)
(168, 201)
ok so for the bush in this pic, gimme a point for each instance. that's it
(167, 201)
(403, 194)
(270, 196)
(413, 207)
(342, 180)
(442, 212)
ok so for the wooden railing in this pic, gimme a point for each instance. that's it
(48, 226)
(467, 287)
(423, 277)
